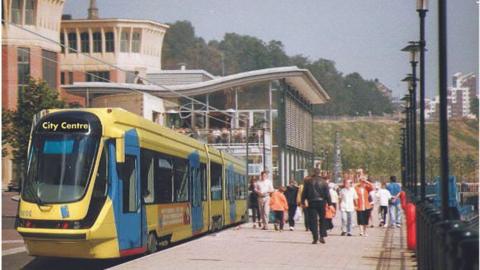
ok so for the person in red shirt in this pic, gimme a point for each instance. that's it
(364, 205)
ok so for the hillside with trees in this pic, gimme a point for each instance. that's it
(350, 94)
(375, 146)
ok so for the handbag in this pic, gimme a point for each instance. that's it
(329, 212)
(298, 214)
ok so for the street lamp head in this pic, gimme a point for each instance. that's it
(410, 79)
(413, 48)
(422, 5)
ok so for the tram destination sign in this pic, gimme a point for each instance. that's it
(64, 125)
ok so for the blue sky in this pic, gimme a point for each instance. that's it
(360, 36)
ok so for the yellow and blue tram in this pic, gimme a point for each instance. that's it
(106, 183)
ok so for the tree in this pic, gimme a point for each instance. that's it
(474, 106)
(17, 124)
(235, 53)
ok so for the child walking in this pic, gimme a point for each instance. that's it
(384, 197)
(279, 205)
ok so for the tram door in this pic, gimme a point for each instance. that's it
(230, 173)
(197, 179)
(130, 227)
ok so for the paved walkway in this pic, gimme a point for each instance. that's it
(248, 248)
(11, 241)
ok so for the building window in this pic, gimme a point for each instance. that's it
(97, 42)
(16, 12)
(29, 12)
(49, 68)
(70, 77)
(136, 42)
(109, 42)
(85, 42)
(72, 42)
(23, 63)
(62, 78)
(125, 42)
(97, 76)
(62, 42)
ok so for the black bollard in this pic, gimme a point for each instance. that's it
(434, 216)
(454, 237)
(468, 254)
(441, 228)
(421, 234)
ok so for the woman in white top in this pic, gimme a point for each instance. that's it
(333, 194)
(375, 202)
(347, 199)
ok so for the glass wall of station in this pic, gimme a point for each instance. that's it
(255, 113)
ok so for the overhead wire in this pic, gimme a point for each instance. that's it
(163, 87)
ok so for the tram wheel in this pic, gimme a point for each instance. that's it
(152, 243)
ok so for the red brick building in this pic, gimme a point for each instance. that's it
(25, 53)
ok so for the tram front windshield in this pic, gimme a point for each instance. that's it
(59, 167)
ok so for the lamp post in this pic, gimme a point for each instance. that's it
(413, 47)
(402, 151)
(422, 8)
(408, 142)
(411, 80)
(442, 68)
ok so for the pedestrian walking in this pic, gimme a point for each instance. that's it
(374, 201)
(291, 195)
(316, 196)
(253, 202)
(264, 188)
(347, 199)
(300, 202)
(364, 206)
(333, 194)
(394, 206)
(331, 211)
(279, 205)
(384, 197)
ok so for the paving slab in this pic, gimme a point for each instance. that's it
(248, 248)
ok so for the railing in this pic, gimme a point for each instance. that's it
(225, 136)
(448, 244)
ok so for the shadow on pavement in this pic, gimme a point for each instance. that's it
(73, 264)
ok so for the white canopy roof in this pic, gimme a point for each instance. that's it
(301, 79)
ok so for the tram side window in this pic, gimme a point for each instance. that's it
(216, 181)
(230, 185)
(100, 187)
(147, 176)
(244, 187)
(164, 180)
(129, 171)
(203, 171)
(180, 185)
(238, 193)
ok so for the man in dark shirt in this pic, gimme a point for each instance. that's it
(291, 195)
(316, 195)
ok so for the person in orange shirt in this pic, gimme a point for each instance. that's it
(364, 205)
(278, 204)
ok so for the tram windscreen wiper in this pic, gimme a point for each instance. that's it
(32, 189)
